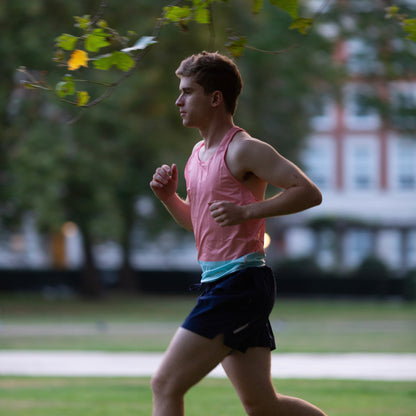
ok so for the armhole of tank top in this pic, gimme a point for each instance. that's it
(197, 146)
(228, 169)
(195, 150)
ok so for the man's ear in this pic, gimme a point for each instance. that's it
(217, 98)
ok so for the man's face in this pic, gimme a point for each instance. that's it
(194, 104)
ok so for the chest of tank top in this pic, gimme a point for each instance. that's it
(209, 181)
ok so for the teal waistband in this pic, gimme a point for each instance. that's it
(213, 270)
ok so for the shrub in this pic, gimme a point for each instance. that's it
(372, 268)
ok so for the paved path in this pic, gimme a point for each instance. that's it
(329, 366)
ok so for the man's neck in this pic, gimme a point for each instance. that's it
(215, 132)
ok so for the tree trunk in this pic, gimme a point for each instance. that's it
(127, 275)
(90, 277)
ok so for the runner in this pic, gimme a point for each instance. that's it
(226, 178)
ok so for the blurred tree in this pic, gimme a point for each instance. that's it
(92, 172)
(280, 88)
(380, 53)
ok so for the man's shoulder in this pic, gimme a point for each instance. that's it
(244, 142)
(245, 155)
(197, 144)
(247, 152)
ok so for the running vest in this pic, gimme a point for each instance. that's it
(212, 181)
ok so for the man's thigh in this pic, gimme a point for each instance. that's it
(189, 358)
(249, 373)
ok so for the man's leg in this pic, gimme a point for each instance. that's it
(188, 359)
(250, 375)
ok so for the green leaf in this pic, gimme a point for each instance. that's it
(302, 24)
(30, 85)
(59, 56)
(236, 45)
(391, 12)
(122, 61)
(409, 25)
(82, 98)
(96, 40)
(202, 16)
(65, 88)
(118, 59)
(83, 22)
(177, 14)
(289, 6)
(66, 41)
(102, 23)
(257, 5)
(103, 62)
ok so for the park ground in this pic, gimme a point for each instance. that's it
(118, 325)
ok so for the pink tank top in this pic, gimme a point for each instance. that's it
(212, 181)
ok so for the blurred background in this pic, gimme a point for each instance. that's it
(76, 211)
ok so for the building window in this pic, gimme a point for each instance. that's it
(358, 246)
(389, 248)
(299, 242)
(361, 163)
(403, 100)
(361, 57)
(411, 249)
(361, 169)
(359, 115)
(403, 161)
(322, 110)
(318, 161)
(406, 169)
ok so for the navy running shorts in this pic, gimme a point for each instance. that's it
(237, 306)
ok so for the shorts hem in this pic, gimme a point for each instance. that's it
(230, 341)
(237, 307)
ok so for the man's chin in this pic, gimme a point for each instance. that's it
(186, 123)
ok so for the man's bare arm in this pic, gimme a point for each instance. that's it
(164, 185)
(260, 159)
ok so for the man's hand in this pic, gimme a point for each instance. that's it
(226, 213)
(164, 185)
(165, 182)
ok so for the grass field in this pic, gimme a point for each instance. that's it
(132, 397)
(146, 323)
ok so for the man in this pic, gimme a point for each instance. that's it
(226, 176)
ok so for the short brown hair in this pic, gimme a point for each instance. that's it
(213, 72)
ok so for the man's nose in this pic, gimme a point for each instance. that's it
(179, 102)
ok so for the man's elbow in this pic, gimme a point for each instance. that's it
(316, 197)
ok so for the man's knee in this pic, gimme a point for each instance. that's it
(261, 406)
(160, 385)
(165, 386)
(255, 409)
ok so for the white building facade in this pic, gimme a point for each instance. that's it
(367, 174)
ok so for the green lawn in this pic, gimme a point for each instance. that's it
(147, 323)
(22, 396)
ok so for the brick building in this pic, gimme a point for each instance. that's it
(366, 171)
